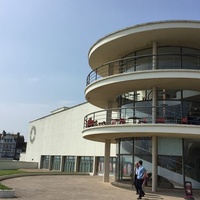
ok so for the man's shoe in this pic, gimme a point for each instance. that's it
(139, 198)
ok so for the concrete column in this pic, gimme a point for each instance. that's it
(76, 164)
(50, 162)
(154, 57)
(41, 162)
(109, 113)
(154, 104)
(94, 166)
(110, 69)
(62, 163)
(154, 163)
(106, 161)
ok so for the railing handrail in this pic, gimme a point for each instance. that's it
(134, 58)
(127, 116)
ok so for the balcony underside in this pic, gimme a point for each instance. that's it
(112, 132)
(105, 90)
(120, 43)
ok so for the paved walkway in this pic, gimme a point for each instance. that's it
(76, 187)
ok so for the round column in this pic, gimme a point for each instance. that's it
(106, 161)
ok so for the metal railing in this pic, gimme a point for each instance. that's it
(141, 115)
(141, 63)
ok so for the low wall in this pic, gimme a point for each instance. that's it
(14, 164)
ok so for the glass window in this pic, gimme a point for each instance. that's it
(45, 162)
(169, 50)
(100, 165)
(129, 154)
(191, 61)
(126, 146)
(192, 159)
(145, 61)
(190, 51)
(142, 146)
(126, 164)
(56, 161)
(128, 65)
(85, 164)
(171, 59)
(69, 163)
(170, 146)
(170, 171)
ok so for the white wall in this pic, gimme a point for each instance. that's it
(61, 134)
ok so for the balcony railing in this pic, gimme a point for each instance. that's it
(141, 63)
(142, 115)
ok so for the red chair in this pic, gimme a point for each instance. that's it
(114, 121)
(90, 122)
(184, 120)
(144, 120)
(122, 121)
(160, 120)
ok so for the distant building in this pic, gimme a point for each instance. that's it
(11, 145)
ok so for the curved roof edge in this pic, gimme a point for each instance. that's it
(140, 25)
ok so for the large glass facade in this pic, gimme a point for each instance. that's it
(130, 150)
(173, 106)
(166, 58)
(178, 160)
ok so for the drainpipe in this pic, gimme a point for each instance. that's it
(106, 161)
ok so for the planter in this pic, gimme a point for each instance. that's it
(7, 193)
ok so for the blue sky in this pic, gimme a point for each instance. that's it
(44, 46)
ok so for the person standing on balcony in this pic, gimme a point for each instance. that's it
(140, 178)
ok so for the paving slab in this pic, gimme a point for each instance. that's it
(77, 187)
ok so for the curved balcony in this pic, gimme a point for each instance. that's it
(138, 121)
(141, 63)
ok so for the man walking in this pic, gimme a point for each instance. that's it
(135, 177)
(140, 177)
